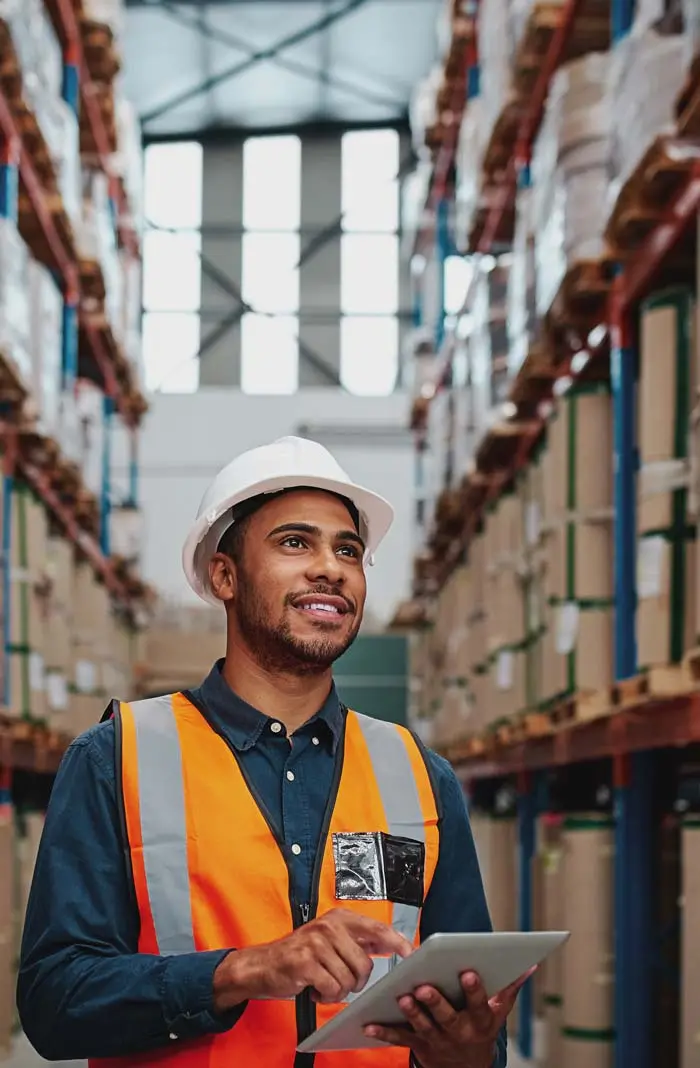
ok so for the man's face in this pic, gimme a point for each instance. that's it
(298, 589)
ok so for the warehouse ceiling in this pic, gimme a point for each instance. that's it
(198, 67)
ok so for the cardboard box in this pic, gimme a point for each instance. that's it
(690, 949)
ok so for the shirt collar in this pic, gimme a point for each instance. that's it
(244, 725)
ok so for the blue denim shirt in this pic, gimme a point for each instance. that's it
(83, 989)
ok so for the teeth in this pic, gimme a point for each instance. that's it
(321, 608)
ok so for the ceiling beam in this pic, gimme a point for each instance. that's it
(318, 128)
(303, 70)
(270, 52)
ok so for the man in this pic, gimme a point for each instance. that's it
(221, 869)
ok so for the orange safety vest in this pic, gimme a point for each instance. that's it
(209, 873)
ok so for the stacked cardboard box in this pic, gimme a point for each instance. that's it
(578, 579)
(505, 620)
(588, 957)
(488, 343)
(550, 984)
(28, 619)
(179, 648)
(666, 614)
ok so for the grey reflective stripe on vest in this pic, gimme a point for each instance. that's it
(398, 789)
(163, 824)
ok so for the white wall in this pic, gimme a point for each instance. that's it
(186, 439)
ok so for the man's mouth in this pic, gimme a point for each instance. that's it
(322, 607)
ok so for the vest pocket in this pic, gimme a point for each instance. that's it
(373, 866)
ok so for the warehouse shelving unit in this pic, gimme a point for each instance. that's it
(632, 732)
(86, 349)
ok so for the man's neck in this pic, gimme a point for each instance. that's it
(291, 699)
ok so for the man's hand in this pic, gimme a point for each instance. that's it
(442, 1037)
(331, 955)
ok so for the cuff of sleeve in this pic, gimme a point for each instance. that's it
(188, 996)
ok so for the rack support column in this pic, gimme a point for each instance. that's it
(632, 778)
(71, 95)
(527, 819)
(108, 409)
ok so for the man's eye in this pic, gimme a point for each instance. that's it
(350, 550)
(293, 542)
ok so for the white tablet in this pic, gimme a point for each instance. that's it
(499, 959)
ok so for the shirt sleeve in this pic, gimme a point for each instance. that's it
(83, 990)
(456, 900)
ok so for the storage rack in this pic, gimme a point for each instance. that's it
(86, 350)
(628, 737)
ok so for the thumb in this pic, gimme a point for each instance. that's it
(503, 1002)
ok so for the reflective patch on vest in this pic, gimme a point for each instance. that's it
(163, 824)
(379, 867)
(394, 776)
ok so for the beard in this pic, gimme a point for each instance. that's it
(275, 646)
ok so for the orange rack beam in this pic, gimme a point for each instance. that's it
(662, 724)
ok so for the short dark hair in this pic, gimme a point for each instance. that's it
(231, 541)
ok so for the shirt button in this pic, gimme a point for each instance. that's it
(314, 740)
(275, 728)
(296, 849)
(173, 1036)
(290, 776)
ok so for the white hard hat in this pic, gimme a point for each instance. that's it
(287, 463)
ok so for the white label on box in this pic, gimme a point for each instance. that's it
(85, 676)
(504, 670)
(57, 690)
(37, 679)
(567, 628)
(532, 523)
(650, 561)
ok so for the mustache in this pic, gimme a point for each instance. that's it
(322, 591)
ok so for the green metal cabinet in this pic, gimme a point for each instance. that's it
(372, 676)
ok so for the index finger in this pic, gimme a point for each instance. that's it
(378, 937)
(480, 1012)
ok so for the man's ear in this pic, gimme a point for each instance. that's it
(222, 576)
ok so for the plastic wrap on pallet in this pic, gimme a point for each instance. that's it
(422, 107)
(90, 408)
(495, 48)
(97, 242)
(469, 156)
(488, 343)
(522, 311)
(127, 162)
(570, 173)
(45, 324)
(59, 125)
(647, 72)
(15, 341)
(36, 45)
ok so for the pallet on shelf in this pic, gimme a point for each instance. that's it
(100, 50)
(644, 197)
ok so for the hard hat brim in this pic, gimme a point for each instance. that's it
(376, 517)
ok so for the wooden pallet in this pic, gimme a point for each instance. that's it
(92, 284)
(579, 303)
(103, 96)
(531, 52)
(645, 196)
(100, 50)
(659, 682)
(535, 377)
